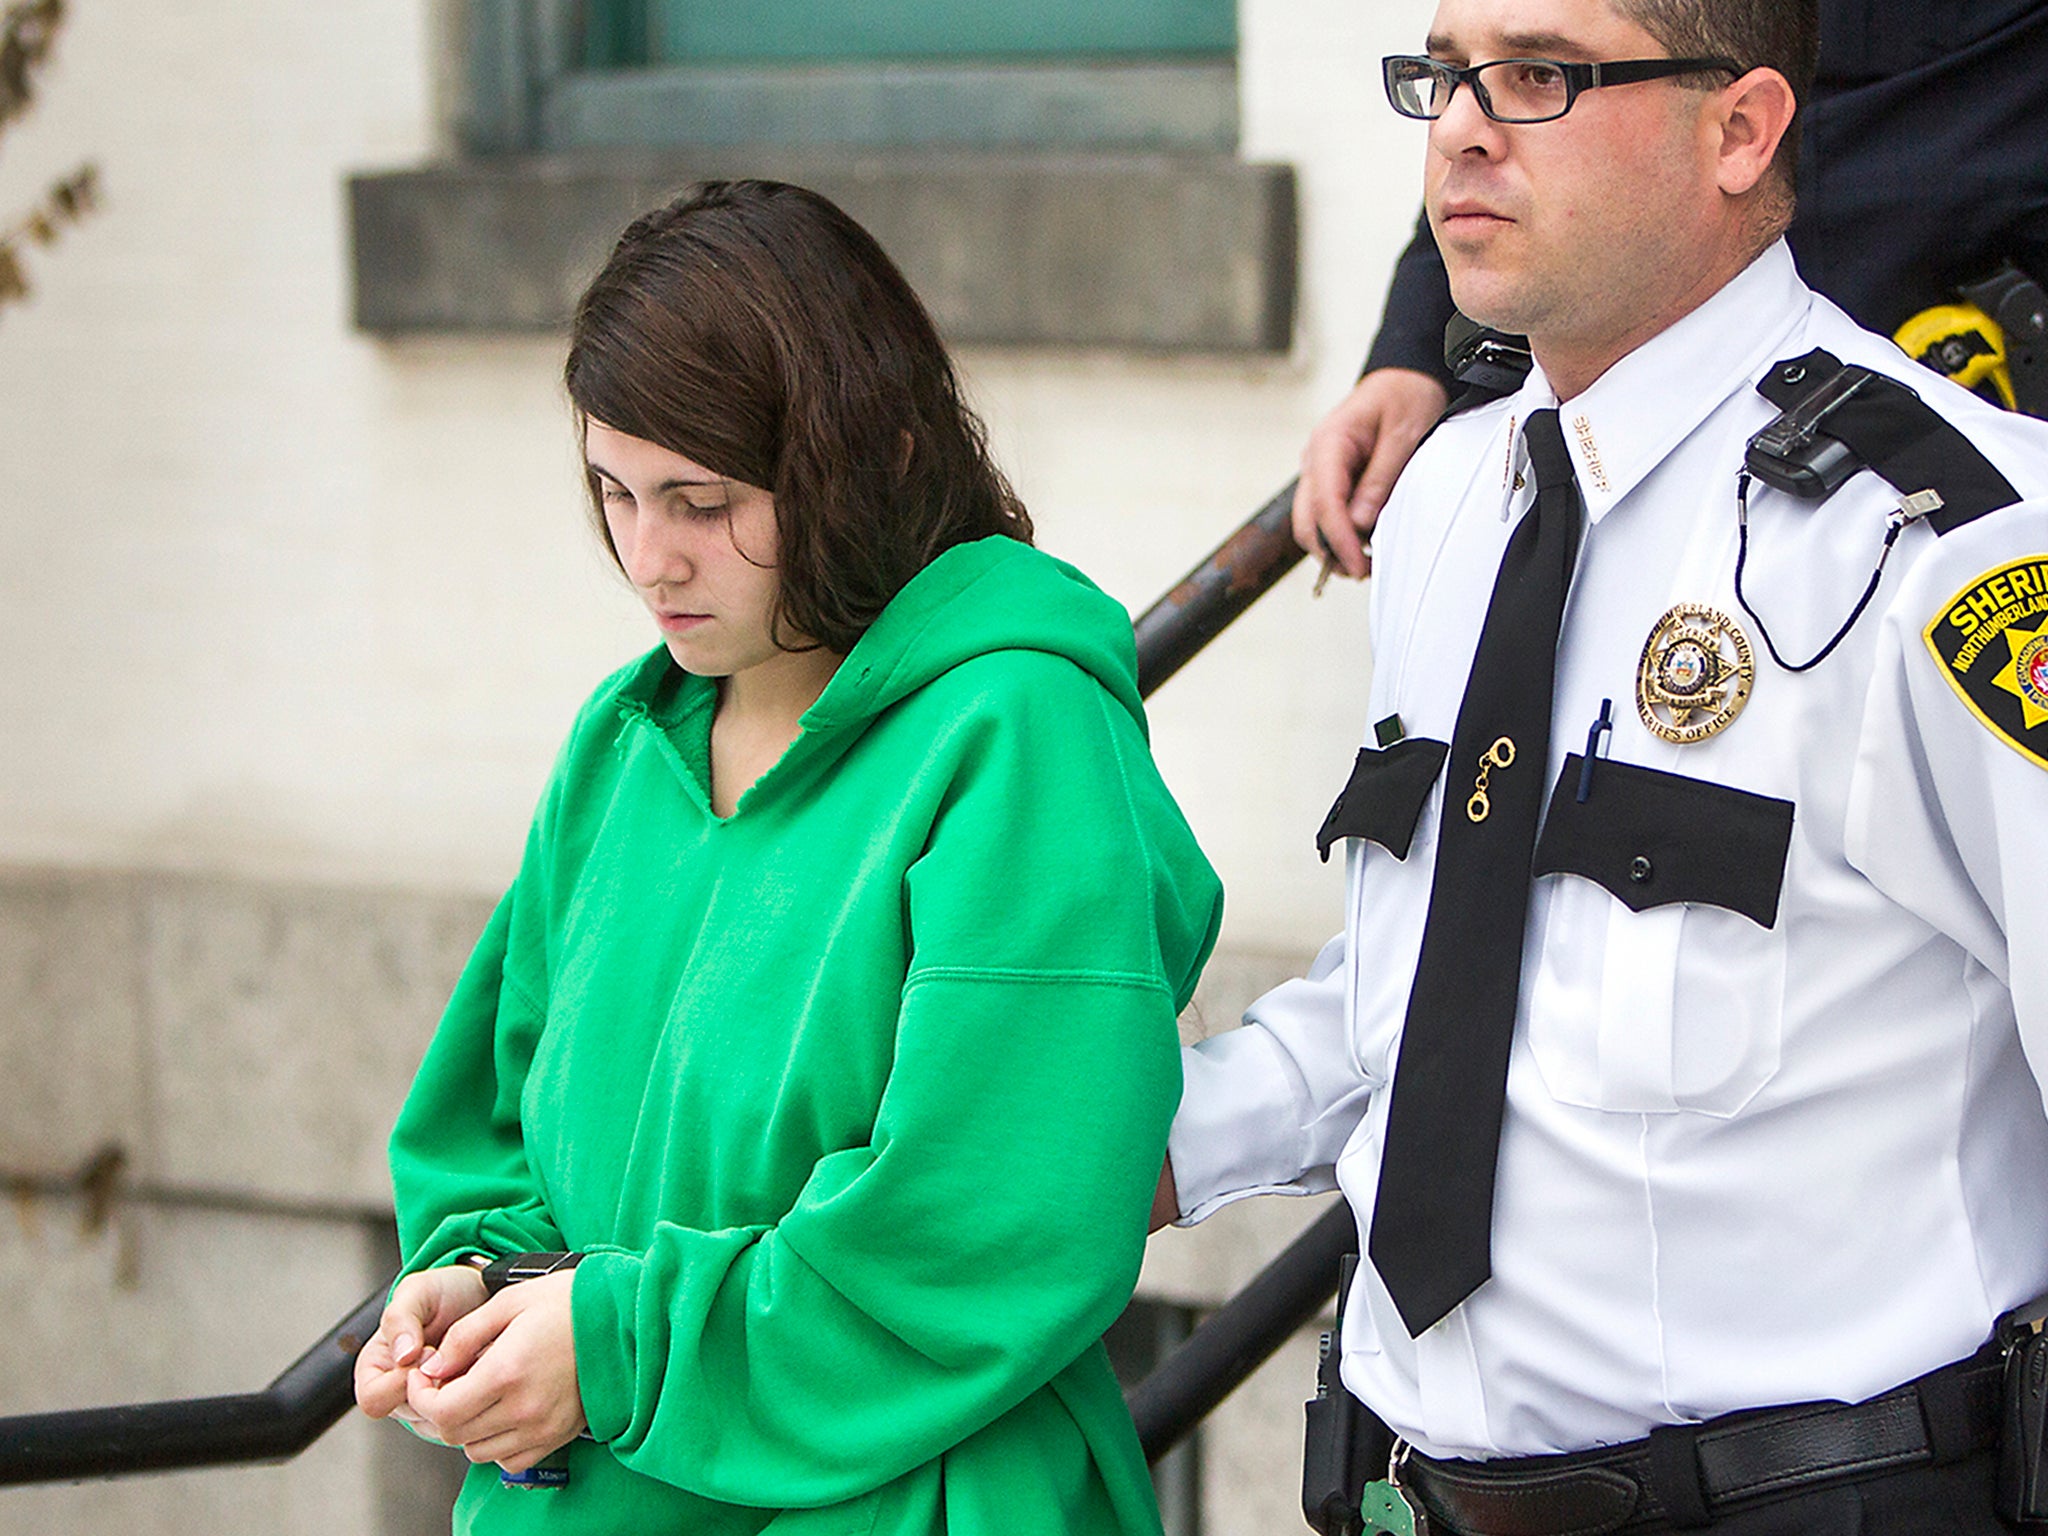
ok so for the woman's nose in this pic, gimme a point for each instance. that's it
(651, 553)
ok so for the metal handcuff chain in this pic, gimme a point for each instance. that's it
(1912, 508)
(1500, 755)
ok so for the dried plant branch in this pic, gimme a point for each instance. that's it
(27, 34)
(63, 205)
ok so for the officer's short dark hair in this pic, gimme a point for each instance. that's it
(1779, 34)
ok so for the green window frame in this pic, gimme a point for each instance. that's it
(1135, 75)
(1044, 197)
(624, 32)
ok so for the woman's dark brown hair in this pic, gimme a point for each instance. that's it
(755, 329)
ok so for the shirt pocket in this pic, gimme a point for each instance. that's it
(1384, 796)
(1661, 971)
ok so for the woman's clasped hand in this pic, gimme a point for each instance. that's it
(495, 1377)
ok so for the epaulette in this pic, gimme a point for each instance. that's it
(1837, 419)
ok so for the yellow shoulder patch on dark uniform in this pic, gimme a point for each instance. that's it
(1991, 642)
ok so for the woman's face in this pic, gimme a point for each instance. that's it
(699, 548)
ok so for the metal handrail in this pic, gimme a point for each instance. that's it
(300, 1406)
(1234, 575)
(318, 1388)
(1242, 1334)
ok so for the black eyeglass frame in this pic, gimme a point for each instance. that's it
(1578, 79)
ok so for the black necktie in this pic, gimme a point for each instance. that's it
(1434, 1213)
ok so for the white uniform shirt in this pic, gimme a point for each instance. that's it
(1740, 1165)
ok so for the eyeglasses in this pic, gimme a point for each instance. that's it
(1522, 90)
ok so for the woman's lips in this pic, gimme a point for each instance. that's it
(677, 623)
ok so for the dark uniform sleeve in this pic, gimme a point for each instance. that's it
(1411, 333)
(1924, 162)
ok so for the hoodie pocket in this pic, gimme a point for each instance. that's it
(1384, 796)
(1661, 981)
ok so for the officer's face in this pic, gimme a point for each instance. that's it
(1588, 233)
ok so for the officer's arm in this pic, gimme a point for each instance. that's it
(1946, 803)
(1266, 1108)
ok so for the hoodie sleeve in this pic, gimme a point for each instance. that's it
(992, 1226)
(460, 1176)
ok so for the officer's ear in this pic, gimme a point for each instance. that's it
(1752, 116)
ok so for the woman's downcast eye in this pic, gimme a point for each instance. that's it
(705, 500)
(710, 500)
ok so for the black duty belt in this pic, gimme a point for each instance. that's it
(1687, 1474)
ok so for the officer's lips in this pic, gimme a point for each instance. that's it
(1465, 217)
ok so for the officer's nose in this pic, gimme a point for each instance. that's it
(1464, 126)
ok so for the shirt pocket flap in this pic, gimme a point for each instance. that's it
(1384, 795)
(1650, 838)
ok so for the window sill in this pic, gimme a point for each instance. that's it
(1156, 253)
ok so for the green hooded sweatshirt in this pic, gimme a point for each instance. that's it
(855, 1098)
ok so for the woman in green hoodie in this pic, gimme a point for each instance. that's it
(818, 1064)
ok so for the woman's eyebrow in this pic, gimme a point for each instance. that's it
(674, 484)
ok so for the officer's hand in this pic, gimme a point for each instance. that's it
(421, 1311)
(1353, 458)
(502, 1384)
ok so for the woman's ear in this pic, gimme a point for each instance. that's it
(905, 453)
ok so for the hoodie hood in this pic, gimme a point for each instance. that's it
(994, 594)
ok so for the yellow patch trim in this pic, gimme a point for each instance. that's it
(1993, 635)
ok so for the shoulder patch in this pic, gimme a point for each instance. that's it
(1991, 642)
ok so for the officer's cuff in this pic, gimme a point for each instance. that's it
(1238, 1131)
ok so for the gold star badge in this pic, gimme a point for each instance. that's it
(1695, 673)
(2027, 678)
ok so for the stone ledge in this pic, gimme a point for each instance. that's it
(209, 1040)
(1192, 253)
(143, 1303)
